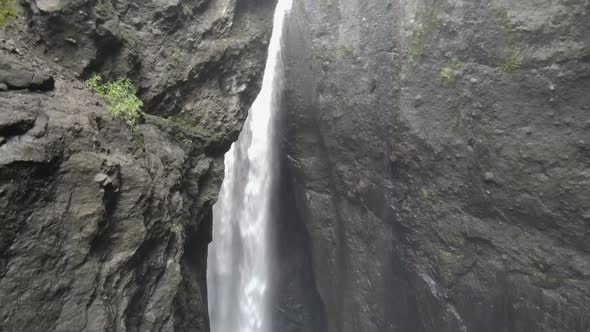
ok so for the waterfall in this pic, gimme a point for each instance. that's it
(240, 256)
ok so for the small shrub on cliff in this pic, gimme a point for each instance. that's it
(8, 11)
(120, 97)
(512, 62)
(448, 75)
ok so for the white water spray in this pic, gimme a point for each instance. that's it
(240, 259)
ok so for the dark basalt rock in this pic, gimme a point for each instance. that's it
(103, 228)
(439, 152)
(435, 175)
(18, 75)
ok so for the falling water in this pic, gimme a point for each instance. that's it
(240, 259)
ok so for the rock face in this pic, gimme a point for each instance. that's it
(104, 228)
(439, 154)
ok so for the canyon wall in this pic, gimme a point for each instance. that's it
(439, 155)
(104, 227)
(435, 174)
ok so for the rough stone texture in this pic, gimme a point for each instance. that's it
(19, 75)
(296, 305)
(439, 150)
(103, 228)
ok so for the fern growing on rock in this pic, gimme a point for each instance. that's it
(120, 97)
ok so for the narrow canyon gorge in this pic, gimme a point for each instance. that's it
(412, 166)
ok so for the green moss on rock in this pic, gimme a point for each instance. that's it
(195, 129)
(450, 264)
(502, 16)
(548, 280)
(425, 22)
(512, 62)
(176, 228)
(9, 10)
(448, 75)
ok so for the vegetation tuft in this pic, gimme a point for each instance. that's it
(346, 52)
(502, 16)
(176, 228)
(429, 196)
(195, 129)
(425, 21)
(448, 75)
(120, 97)
(8, 11)
(513, 61)
(417, 48)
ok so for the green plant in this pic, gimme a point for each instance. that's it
(448, 75)
(8, 11)
(176, 228)
(512, 62)
(547, 279)
(424, 193)
(417, 48)
(195, 129)
(457, 64)
(429, 195)
(425, 21)
(502, 16)
(346, 52)
(120, 97)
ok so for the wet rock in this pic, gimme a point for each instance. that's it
(50, 5)
(16, 74)
(489, 177)
(16, 122)
(72, 41)
(103, 180)
(102, 229)
(421, 245)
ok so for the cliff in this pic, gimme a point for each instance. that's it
(438, 155)
(435, 174)
(105, 227)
